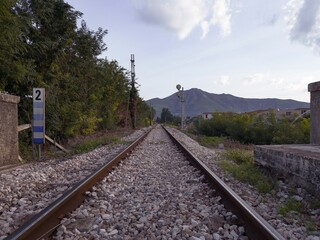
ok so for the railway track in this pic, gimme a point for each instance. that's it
(155, 192)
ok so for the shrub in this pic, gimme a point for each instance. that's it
(256, 129)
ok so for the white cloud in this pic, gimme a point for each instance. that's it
(285, 86)
(224, 80)
(205, 26)
(221, 16)
(182, 16)
(303, 20)
(255, 79)
(301, 84)
(275, 82)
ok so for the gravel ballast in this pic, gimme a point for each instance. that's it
(26, 190)
(153, 194)
(292, 227)
(154, 210)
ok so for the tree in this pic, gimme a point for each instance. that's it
(9, 44)
(133, 104)
(42, 46)
(166, 116)
(256, 129)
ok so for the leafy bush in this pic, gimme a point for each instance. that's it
(255, 129)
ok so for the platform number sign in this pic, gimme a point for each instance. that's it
(38, 125)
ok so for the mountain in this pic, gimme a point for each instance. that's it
(198, 101)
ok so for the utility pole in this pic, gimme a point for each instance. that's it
(133, 94)
(180, 95)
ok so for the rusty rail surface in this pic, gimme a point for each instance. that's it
(46, 221)
(256, 226)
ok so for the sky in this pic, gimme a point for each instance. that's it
(247, 48)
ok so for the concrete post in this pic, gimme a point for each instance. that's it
(9, 151)
(314, 89)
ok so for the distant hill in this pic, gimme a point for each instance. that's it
(198, 101)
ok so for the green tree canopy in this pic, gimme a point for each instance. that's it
(42, 46)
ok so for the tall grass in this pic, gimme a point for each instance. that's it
(240, 164)
(90, 144)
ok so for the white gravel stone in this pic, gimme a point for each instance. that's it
(271, 202)
(216, 236)
(27, 189)
(155, 194)
(151, 197)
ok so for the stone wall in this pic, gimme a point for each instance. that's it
(299, 163)
(9, 151)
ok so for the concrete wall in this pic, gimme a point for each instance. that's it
(314, 89)
(299, 163)
(9, 151)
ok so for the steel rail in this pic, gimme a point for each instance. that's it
(256, 227)
(46, 221)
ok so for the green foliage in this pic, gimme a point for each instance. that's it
(239, 156)
(311, 226)
(42, 46)
(240, 164)
(256, 129)
(210, 141)
(217, 126)
(289, 133)
(91, 144)
(147, 113)
(167, 117)
(290, 205)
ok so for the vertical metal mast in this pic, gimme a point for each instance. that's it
(133, 94)
(182, 109)
(133, 74)
(180, 95)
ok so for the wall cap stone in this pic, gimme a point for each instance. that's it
(9, 98)
(315, 86)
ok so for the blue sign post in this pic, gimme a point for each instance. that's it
(38, 125)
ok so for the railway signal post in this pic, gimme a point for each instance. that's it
(180, 95)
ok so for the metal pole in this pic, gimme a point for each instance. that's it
(39, 152)
(32, 140)
(180, 94)
(182, 109)
(32, 151)
(133, 96)
(150, 113)
(127, 110)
